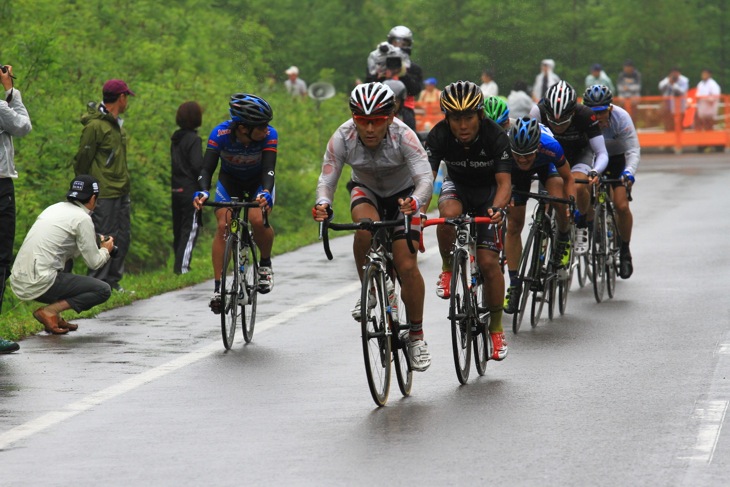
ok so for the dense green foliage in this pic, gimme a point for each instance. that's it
(63, 51)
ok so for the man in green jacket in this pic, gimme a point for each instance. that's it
(103, 154)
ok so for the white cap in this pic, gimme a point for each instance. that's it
(548, 62)
(292, 70)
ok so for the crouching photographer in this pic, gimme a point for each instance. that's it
(60, 233)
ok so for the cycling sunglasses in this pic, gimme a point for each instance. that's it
(555, 122)
(376, 120)
(525, 155)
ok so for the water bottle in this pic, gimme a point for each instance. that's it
(392, 299)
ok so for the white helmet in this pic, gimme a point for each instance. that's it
(401, 36)
(372, 99)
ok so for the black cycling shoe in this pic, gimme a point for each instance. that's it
(626, 268)
(215, 303)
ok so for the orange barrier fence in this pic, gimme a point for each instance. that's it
(660, 121)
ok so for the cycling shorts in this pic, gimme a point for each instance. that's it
(522, 181)
(229, 187)
(616, 166)
(583, 161)
(387, 208)
(476, 201)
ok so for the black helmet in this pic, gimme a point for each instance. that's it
(560, 100)
(524, 136)
(598, 97)
(462, 96)
(372, 99)
(249, 109)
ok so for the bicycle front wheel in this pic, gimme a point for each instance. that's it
(543, 283)
(230, 290)
(376, 344)
(612, 259)
(249, 289)
(461, 314)
(528, 271)
(599, 249)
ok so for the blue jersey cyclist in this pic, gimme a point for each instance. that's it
(536, 152)
(246, 146)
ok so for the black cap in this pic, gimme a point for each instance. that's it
(82, 188)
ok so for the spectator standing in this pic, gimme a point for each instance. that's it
(430, 93)
(598, 76)
(103, 154)
(708, 100)
(629, 85)
(544, 80)
(674, 87)
(295, 85)
(518, 101)
(629, 81)
(62, 231)
(489, 86)
(14, 122)
(186, 155)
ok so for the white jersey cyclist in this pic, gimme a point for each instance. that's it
(397, 164)
(621, 138)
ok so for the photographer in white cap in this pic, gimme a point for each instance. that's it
(295, 85)
(61, 232)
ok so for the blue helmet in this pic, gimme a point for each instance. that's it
(249, 109)
(598, 97)
(524, 136)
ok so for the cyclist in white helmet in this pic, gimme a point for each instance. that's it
(391, 177)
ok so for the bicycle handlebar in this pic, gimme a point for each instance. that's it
(369, 225)
(458, 220)
(611, 181)
(239, 204)
(545, 197)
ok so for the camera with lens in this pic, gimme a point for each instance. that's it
(3, 68)
(387, 57)
(100, 239)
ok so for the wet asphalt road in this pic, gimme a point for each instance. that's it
(630, 391)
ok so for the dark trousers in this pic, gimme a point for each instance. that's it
(7, 231)
(81, 292)
(112, 217)
(184, 229)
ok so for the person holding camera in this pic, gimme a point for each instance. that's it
(674, 87)
(61, 232)
(14, 122)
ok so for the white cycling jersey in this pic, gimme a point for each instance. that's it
(397, 164)
(621, 138)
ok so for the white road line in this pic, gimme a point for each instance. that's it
(710, 415)
(48, 420)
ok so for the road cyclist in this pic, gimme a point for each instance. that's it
(624, 153)
(496, 109)
(246, 146)
(536, 153)
(390, 178)
(576, 128)
(478, 160)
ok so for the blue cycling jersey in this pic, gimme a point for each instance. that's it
(241, 161)
(549, 153)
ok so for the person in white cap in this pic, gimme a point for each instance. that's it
(544, 80)
(295, 85)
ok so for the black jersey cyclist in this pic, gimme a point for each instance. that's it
(246, 146)
(576, 128)
(478, 161)
(624, 153)
(536, 152)
(391, 177)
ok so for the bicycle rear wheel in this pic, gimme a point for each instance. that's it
(401, 361)
(375, 340)
(480, 335)
(541, 293)
(599, 249)
(527, 271)
(249, 289)
(612, 254)
(460, 314)
(230, 290)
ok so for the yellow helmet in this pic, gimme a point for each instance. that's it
(462, 96)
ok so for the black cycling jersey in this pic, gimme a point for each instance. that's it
(582, 128)
(475, 165)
